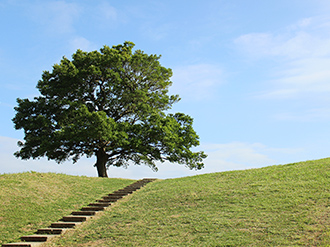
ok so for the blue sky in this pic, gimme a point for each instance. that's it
(254, 75)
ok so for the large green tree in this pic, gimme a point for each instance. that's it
(110, 103)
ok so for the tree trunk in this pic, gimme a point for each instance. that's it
(101, 160)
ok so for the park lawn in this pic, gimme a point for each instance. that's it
(32, 200)
(285, 205)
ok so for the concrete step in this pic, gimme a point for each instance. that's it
(109, 197)
(23, 244)
(128, 191)
(37, 238)
(107, 200)
(100, 204)
(122, 194)
(74, 218)
(135, 185)
(54, 231)
(85, 213)
(148, 180)
(114, 196)
(94, 208)
(132, 187)
(63, 224)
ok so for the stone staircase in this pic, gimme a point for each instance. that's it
(69, 222)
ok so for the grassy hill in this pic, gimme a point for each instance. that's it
(285, 205)
(274, 206)
(32, 200)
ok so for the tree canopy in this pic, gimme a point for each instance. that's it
(111, 103)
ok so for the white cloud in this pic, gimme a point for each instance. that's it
(309, 115)
(302, 78)
(302, 53)
(57, 17)
(103, 16)
(240, 155)
(288, 45)
(82, 44)
(221, 157)
(60, 17)
(156, 32)
(197, 82)
(10, 164)
(238, 152)
(106, 12)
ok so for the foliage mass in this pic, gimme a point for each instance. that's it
(112, 104)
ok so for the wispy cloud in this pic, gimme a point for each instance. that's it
(242, 155)
(197, 82)
(10, 164)
(82, 44)
(239, 153)
(103, 16)
(106, 11)
(302, 52)
(156, 31)
(321, 114)
(305, 38)
(245, 154)
(221, 157)
(233, 156)
(57, 17)
(63, 17)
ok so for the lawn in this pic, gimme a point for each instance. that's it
(285, 205)
(32, 200)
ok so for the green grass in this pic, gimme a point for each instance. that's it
(274, 206)
(31, 200)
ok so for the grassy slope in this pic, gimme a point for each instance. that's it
(275, 206)
(31, 200)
